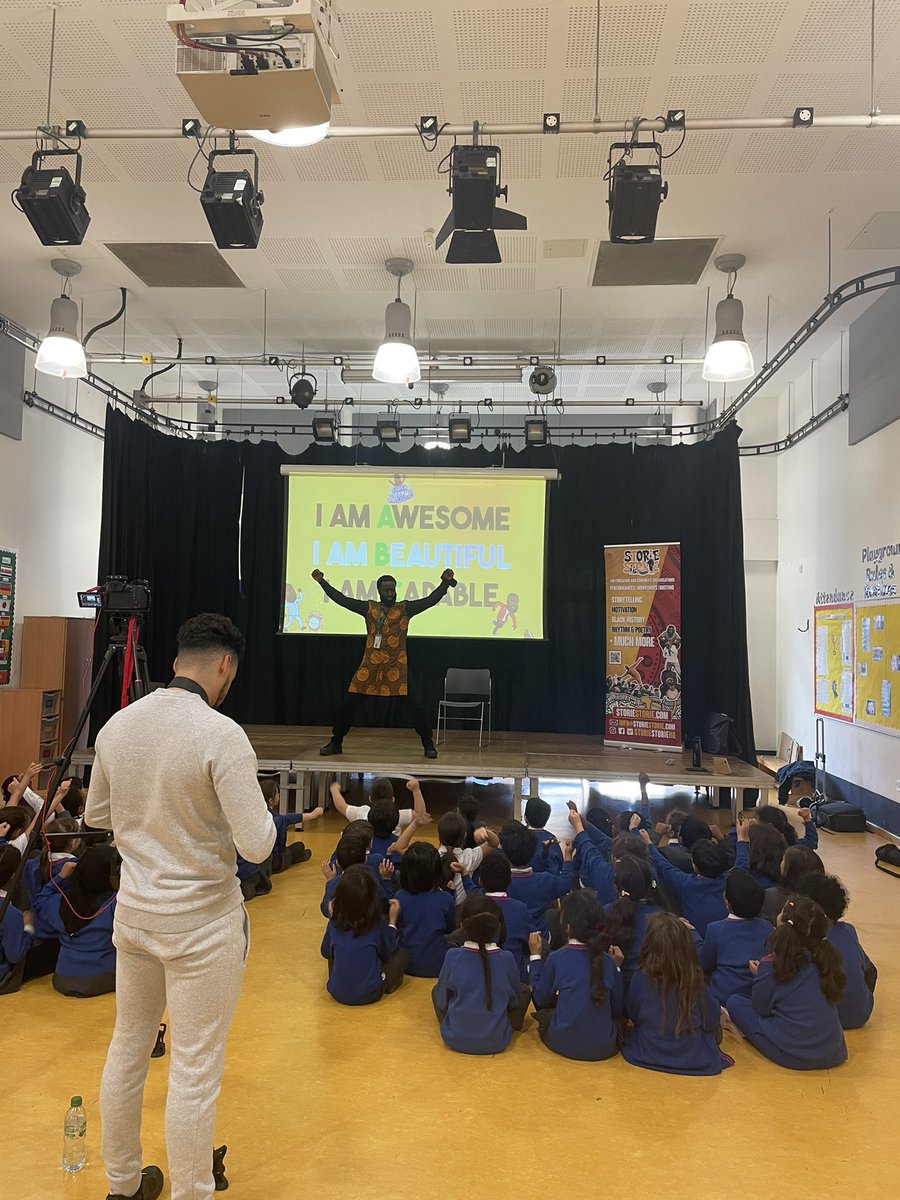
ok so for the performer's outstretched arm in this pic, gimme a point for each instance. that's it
(360, 607)
(414, 607)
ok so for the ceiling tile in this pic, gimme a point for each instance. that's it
(828, 94)
(867, 150)
(501, 39)
(390, 42)
(110, 108)
(307, 279)
(363, 250)
(507, 279)
(723, 95)
(522, 157)
(736, 32)
(621, 98)
(152, 43)
(781, 152)
(838, 31)
(447, 330)
(370, 279)
(297, 251)
(442, 279)
(517, 248)
(629, 36)
(403, 159)
(701, 154)
(336, 160)
(81, 49)
(487, 100)
(152, 162)
(583, 157)
(394, 102)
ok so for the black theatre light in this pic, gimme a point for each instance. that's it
(636, 191)
(53, 201)
(232, 203)
(324, 428)
(387, 426)
(536, 432)
(303, 389)
(474, 185)
(459, 429)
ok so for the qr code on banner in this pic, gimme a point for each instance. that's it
(615, 658)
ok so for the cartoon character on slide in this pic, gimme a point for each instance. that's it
(292, 601)
(670, 643)
(506, 612)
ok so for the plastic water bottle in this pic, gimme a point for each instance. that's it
(74, 1136)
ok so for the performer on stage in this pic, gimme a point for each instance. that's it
(383, 671)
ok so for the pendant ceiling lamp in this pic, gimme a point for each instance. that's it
(728, 358)
(61, 352)
(397, 360)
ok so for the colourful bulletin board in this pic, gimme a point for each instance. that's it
(834, 661)
(878, 665)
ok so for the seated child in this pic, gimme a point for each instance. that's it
(365, 961)
(478, 997)
(539, 890)
(427, 910)
(702, 894)
(468, 810)
(730, 945)
(82, 919)
(496, 875)
(382, 789)
(547, 856)
(797, 861)
(451, 833)
(352, 850)
(766, 849)
(683, 829)
(858, 999)
(57, 856)
(639, 899)
(595, 869)
(577, 992)
(768, 814)
(16, 928)
(791, 1015)
(283, 855)
(255, 878)
(675, 1017)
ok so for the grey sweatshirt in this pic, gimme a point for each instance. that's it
(175, 781)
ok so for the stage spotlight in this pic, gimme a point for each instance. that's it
(232, 203)
(460, 429)
(804, 117)
(474, 185)
(542, 381)
(636, 191)
(387, 426)
(324, 428)
(52, 201)
(536, 431)
(728, 357)
(303, 389)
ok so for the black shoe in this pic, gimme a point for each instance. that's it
(305, 856)
(331, 747)
(430, 751)
(219, 1169)
(151, 1186)
(159, 1050)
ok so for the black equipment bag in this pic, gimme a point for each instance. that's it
(887, 858)
(840, 817)
(719, 736)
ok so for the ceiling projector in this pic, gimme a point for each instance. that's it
(257, 66)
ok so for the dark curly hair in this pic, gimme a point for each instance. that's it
(210, 631)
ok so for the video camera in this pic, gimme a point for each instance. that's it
(119, 597)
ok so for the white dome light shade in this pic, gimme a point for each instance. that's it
(294, 135)
(396, 360)
(728, 358)
(61, 352)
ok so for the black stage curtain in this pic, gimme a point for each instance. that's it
(184, 514)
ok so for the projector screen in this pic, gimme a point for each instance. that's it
(357, 524)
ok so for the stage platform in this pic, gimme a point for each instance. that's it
(520, 757)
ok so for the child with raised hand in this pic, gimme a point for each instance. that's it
(858, 999)
(451, 833)
(382, 789)
(538, 891)
(57, 857)
(675, 1018)
(577, 992)
(283, 855)
(796, 862)
(595, 870)
(478, 997)
(365, 961)
(791, 1015)
(702, 894)
(496, 876)
(427, 910)
(638, 899)
(16, 928)
(547, 856)
(768, 814)
(730, 945)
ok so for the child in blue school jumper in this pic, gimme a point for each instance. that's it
(427, 910)
(382, 789)
(675, 1018)
(858, 999)
(16, 929)
(547, 856)
(496, 876)
(769, 814)
(791, 1015)
(478, 998)
(538, 890)
(82, 919)
(283, 855)
(595, 868)
(57, 857)
(365, 961)
(702, 894)
(797, 862)
(639, 899)
(577, 992)
(352, 850)
(730, 945)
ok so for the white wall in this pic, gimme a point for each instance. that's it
(833, 499)
(50, 493)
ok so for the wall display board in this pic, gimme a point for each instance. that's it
(7, 612)
(834, 661)
(878, 665)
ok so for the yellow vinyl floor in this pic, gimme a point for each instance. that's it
(321, 1101)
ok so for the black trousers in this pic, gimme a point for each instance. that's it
(415, 713)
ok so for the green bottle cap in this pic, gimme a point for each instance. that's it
(76, 1102)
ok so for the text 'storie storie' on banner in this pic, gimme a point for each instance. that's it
(643, 645)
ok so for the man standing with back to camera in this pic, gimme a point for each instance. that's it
(176, 782)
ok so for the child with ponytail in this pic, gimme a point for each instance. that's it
(676, 1021)
(791, 1016)
(478, 997)
(626, 918)
(577, 992)
(57, 856)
